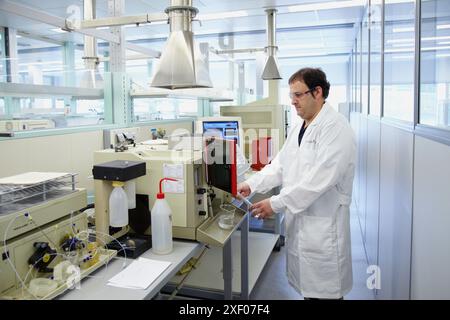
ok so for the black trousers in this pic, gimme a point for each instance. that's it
(306, 298)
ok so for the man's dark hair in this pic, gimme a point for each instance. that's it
(312, 77)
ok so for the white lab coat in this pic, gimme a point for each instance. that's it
(316, 187)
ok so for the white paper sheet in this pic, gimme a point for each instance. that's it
(140, 274)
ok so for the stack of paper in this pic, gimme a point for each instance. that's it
(140, 274)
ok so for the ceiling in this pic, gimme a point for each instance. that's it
(309, 33)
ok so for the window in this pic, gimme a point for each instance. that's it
(435, 64)
(222, 70)
(47, 91)
(375, 57)
(399, 60)
(39, 63)
(2, 107)
(139, 72)
(32, 113)
(2, 57)
(358, 72)
(365, 64)
(149, 109)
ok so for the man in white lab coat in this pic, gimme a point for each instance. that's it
(315, 170)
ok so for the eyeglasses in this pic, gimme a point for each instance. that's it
(298, 95)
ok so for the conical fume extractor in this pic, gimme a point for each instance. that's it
(182, 65)
(90, 77)
(271, 71)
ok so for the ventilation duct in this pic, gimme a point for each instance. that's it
(182, 64)
(270, 71)
(90, 77)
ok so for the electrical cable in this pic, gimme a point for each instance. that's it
(42, 231)
(122, 248)
(65, 257)
(32, 268)
(181, 283)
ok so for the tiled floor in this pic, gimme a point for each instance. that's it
(273, 284)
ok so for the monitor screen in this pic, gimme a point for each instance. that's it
(228, 130)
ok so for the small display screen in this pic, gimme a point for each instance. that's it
(228, 130)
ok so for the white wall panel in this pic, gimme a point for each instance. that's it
(362, 173)
(430, 274)
(60, 153)
(373, 184)
(81, 153)
(395, 212)
(354, 121)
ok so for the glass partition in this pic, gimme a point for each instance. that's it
(2, 107)
(365, 63)
(39, 62)
(150, 109)
(358, 72)
(399, 60)
(33, 113)
(435, 64)
(375, 57)
(2, 57)
(51, 88)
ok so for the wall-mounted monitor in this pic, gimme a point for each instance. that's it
(227, 128)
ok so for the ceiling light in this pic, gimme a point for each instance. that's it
(40, 63)
(404, 57)
(306, 54)
(444, 42)
(435, 38)
(302, 46)
(397, 1)
(400, 40)
(397, 45)
(58, 30)
(337, 5)
(399, 50)
(223, 15)
(443, 26)
(403, 29)
(326, 5)
(435, 48)
(443, 55)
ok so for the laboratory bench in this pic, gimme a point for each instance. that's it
(95, 286)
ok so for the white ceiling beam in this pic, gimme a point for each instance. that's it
(127, 20)
(231, 51)
(148, 52)
(26, 34)
(40, 16)
(37, 15)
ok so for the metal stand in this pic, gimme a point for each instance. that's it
(227, 268)
(227, 262)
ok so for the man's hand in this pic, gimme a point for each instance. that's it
(243, 189)
(262, 209)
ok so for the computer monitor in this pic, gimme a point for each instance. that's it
(227, 128)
